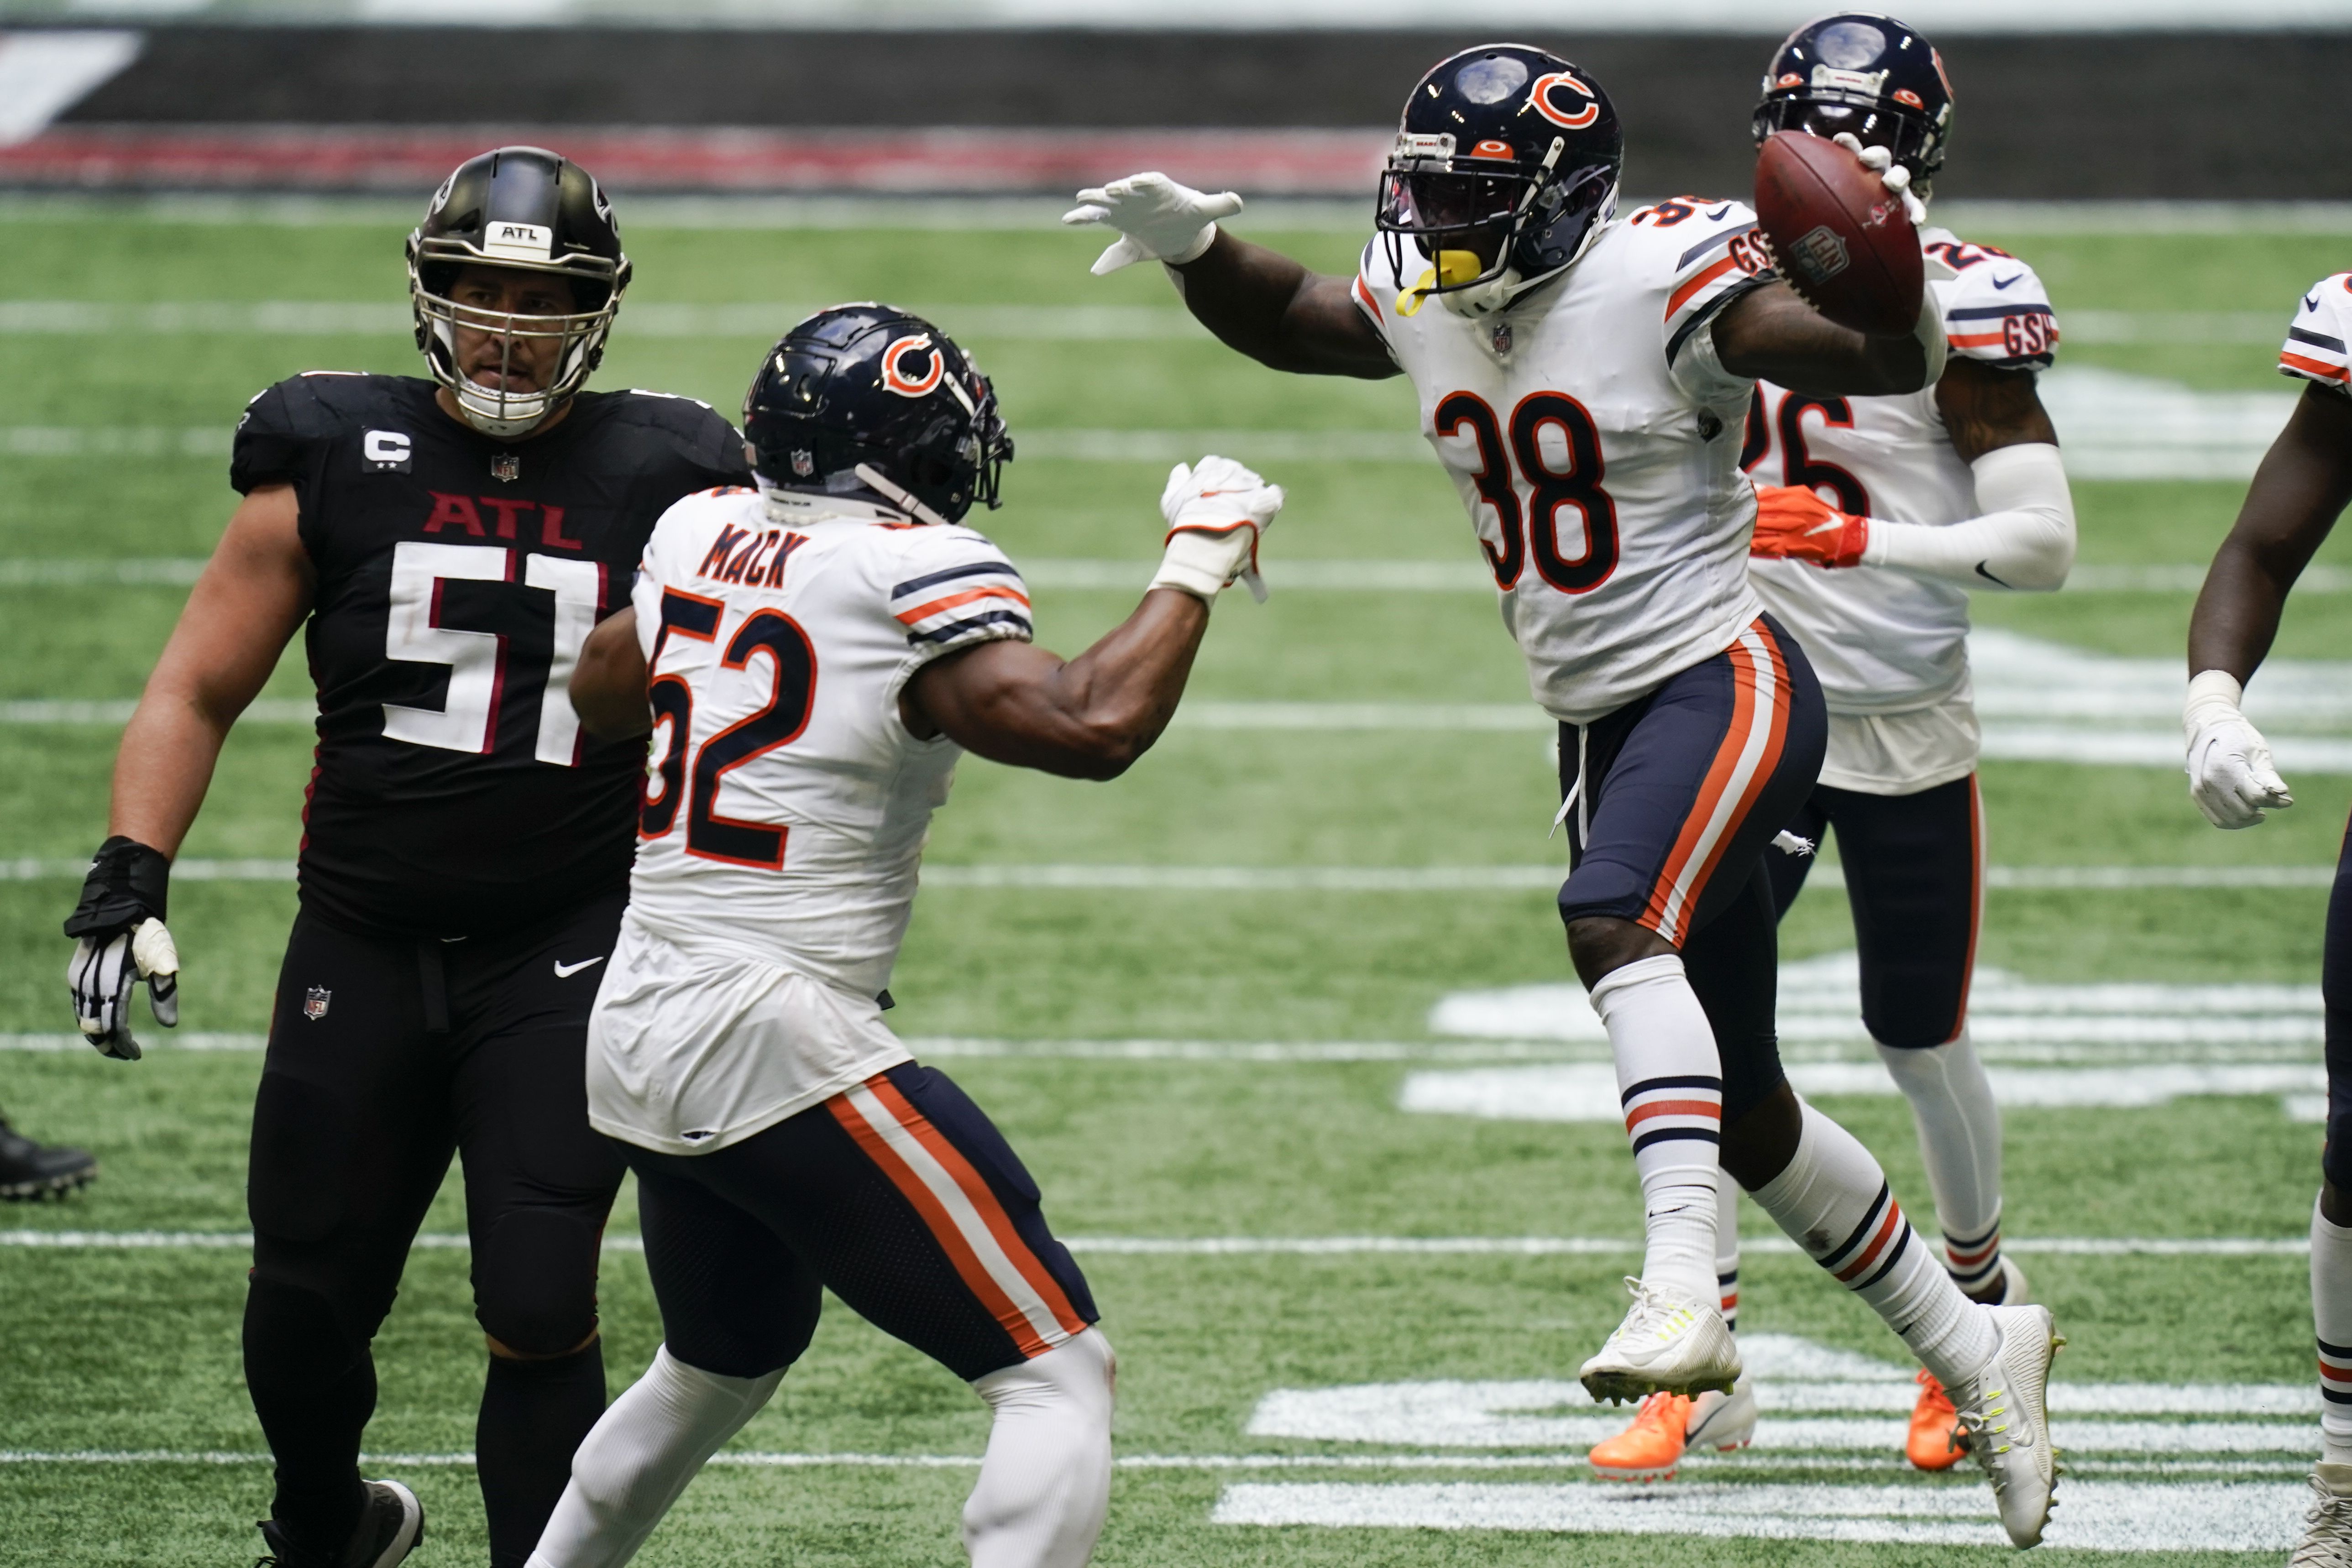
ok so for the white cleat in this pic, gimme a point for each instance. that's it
(2327, 1528)
(1725, 1421)
(1668, 1341)
(2005, 1411)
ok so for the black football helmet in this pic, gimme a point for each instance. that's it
(1505, 147)
(867, 404)
(1866, 74)
(518, 207)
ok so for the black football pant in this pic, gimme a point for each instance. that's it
(1914, 867)
(386, 1055)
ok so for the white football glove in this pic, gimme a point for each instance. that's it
(1891, 174)
(103, 970)
(2230, 775)
(1157, 220)
(1217, 512)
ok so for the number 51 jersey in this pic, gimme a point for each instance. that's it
(786, 802)
(1596, 447)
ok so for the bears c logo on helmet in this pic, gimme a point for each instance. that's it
(925, 375)
(1540, 99)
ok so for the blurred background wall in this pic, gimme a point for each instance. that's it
(2066, 99)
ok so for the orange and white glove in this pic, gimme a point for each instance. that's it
(1793, 523)
(1217, 512)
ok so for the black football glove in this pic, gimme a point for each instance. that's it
(120, 939)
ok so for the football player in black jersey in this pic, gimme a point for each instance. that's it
(446, 545)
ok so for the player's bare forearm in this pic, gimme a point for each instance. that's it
(2300, 488)
(1770, 334)
(1088, 718)
(1274, 309)
(253, 594)
(608, 684)
(1986, 409)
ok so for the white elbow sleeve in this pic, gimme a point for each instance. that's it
(2023, 538)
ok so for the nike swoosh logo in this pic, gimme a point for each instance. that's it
(1990, 576)
(564, 971)
(2005, 282)
(2311, 302)
(1716, 216)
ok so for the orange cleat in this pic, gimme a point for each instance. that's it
(1936, 1440)
(1652, 1447)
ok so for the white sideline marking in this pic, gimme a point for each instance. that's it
(2099, 1516)
(1287, 1245)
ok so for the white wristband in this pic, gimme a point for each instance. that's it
(2213, 695)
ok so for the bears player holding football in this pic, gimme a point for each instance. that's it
(813, 657)
(450, 543)
(2298, 495)
(1584, 380)
(1876, 516)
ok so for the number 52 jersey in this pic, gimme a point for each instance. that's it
(1595, 444)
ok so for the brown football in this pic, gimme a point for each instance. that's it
(1841, 237)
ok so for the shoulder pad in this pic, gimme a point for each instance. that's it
(2315, 347)
(1996, 310)
(1702, 256)
(951, 585)
(286, 423)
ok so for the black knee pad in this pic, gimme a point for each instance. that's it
(535, 1281)
(293, 1333)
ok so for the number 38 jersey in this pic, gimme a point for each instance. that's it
(454, 793)
(786, 802)
(1596, 448)
(1882, 642)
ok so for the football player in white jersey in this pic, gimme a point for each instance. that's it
(813, 657)
(1879, 515)
(1583, 381)
(2298, 493)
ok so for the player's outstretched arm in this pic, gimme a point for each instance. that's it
(1091, 717)
(608, 683)
(253, 593)
(1770, 334)
(2300, 488)
(2024, 539)
(1255, 300)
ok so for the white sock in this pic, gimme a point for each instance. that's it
(638, 1457)
(1044, 1484)
(2331, 1312)
(1726, 1247)
(1670, 1082)
(1835, 1201)
(1959, 1142)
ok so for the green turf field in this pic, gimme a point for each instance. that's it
(1280, 1022)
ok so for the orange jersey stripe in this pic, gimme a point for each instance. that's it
(1364, 296)
(976, 1188)
(1776, 718)
(1681, 295)
(1641, 1113)
(941, 1224)
(2296, 363)
(922, 610)
(1887, 1229)
(1746, 715)
(1972, 340)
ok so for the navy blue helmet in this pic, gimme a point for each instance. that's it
(1867, 74)
(1504, 169)
(866, 403)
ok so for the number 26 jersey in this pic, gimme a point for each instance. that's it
(1596, 447)
(786, 802)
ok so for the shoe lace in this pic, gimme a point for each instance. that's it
(1664, 1411)
(1980, 1415)
(1654, 1315)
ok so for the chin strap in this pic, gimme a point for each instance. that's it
(898, 496)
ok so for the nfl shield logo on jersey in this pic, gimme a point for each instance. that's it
(314, 1002)
(506, 467)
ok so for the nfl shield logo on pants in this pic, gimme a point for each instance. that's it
(314, 1002)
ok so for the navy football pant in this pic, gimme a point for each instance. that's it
(2336, 988)
(1914, 869)
(1683, 791)
(899, 1195)
(386, 1056)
